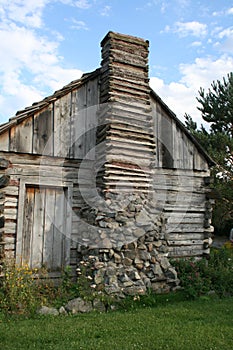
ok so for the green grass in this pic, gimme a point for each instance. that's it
(183, 325)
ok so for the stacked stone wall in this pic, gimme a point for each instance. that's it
(126, 249)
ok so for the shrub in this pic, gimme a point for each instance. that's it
(198, 277)
(66, 289)
(19, 289)
(193, 277)
(220, 270)
(23, 289)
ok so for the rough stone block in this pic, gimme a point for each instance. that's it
(127, 261)
(44, 310)
(77, 305)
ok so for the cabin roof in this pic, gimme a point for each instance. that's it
(40, 105)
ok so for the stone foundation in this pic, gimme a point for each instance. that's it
(124, 242)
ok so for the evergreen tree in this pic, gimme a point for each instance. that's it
(217, 105)
(217, 109)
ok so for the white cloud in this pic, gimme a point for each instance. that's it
(164, 6)
(225, 43)
(181, 96)
(204, 70)
(190, 28)
(216, 30)
(230, 11)
(105, 11)
(82, 4)
(25, 96)
(55, 76)
(26, 12)
(183, 3)
(21, 46)
(78, 24)
(217, 13)
(226, 33)
(196, 43)
(221, 13)
(166, 29)
(23, 54)
(30, 63)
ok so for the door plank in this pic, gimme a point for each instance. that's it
(49, 228)
(28, 224)
(59, 230)
(37, 229)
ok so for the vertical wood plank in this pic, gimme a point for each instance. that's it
(62, 132)
(38, 229)
(92, 93)
(159, 136)
(4, 141)
(199, 161)
(80, 122)
(166, 135)
(175, 145)
(155, 128)
(91, 118)
(68, 196)
(59, 230)
(187, 153)
(74, 112)
(43, 132)
(49, 227)
(27, 225)
(12, 139)
(180, 148)
(21, 136)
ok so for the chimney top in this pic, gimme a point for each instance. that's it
(124, 68)
(123, 37)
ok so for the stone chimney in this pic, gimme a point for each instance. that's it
(126, 147)
(126, 233)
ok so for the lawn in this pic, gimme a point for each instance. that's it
(182, 325)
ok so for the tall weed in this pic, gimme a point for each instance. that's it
(23, 290)
(198, 277)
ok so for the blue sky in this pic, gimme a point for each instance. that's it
(44, 44)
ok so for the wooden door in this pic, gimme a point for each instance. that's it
(44, 239)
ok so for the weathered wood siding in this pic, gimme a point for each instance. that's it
(174, 147)
(181, 196)
(64, 128)
(37, 192)
(179, 186)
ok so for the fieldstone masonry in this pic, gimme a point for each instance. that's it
(127, 247)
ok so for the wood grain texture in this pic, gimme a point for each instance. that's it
(125, 133)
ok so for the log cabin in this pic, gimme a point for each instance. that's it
(104, 170)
